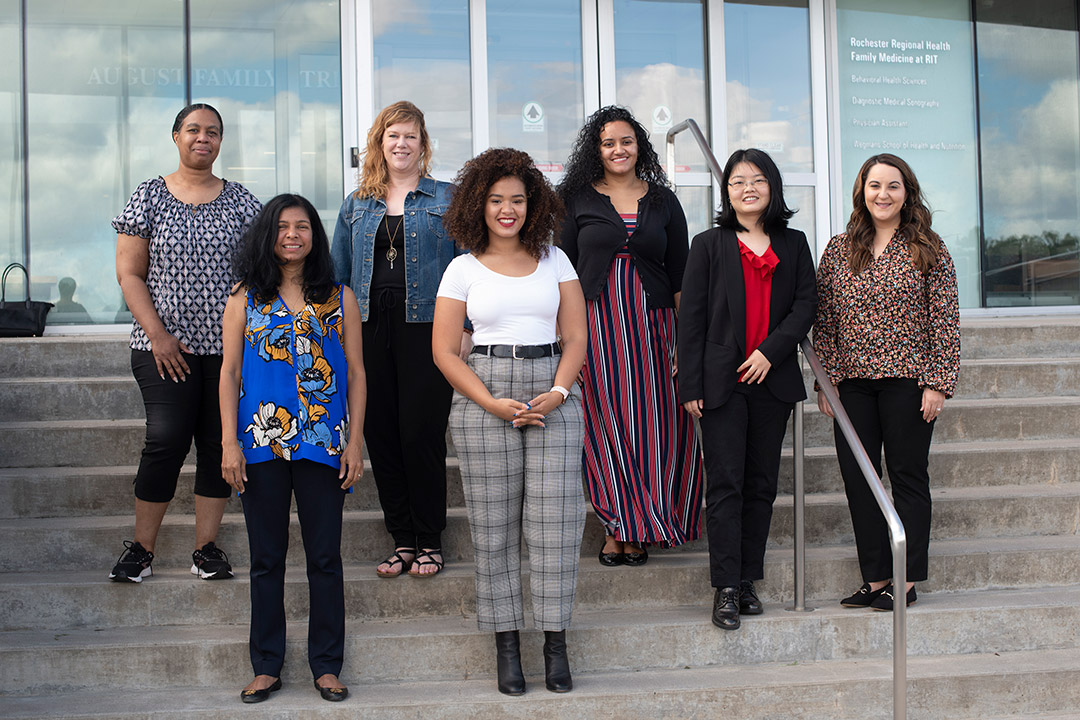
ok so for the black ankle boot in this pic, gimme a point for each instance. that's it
(508, 662)
(556, 664)
(725, 609)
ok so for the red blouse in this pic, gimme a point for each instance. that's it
(757, 279)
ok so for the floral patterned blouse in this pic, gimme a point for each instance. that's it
(889, 320)
(191, 247)
(293, 391)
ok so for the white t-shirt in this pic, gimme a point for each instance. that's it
(508, 310)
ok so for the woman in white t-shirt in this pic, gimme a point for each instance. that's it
(517, 427)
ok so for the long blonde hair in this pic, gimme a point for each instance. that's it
(374, 175)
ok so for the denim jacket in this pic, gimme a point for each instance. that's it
(428, 249)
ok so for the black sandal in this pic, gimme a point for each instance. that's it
(394, 560)
(424, 557)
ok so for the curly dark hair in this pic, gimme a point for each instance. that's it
(464, 219)
(583, 167)
(256, 266)
(923, 243)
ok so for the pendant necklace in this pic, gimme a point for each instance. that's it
(391, 254)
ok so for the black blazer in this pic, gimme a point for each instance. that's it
(712, 317)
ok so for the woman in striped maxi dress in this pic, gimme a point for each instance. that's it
(626, 235)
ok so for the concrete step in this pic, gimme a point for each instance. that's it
(1030, 684)
(1020, 337)
(65, 356)
(117, 397)
(95, 542)
(450, 648)
(57, 443)
(77, 491)
(84, 599)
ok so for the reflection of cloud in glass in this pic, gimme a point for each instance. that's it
(682, 89)
(763, 129)
(1030, 53)
(1032, 183)
(445, 105)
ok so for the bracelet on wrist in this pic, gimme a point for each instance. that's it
(561, 390)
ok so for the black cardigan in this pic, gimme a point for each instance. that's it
(593, 232)
(712, 317)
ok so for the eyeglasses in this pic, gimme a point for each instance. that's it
(743, 184)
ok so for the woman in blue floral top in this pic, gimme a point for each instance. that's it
(292, 415)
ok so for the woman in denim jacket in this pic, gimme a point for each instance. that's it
(390, 247)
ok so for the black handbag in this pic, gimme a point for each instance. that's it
(24, 318)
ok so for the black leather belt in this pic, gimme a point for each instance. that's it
(518, 352)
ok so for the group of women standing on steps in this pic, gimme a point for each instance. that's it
(568, 331)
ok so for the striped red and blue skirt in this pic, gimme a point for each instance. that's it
(641, 461)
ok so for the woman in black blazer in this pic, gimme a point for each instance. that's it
(749, 297)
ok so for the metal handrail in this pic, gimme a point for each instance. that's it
(897, 535)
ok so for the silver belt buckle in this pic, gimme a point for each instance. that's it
(513, 352)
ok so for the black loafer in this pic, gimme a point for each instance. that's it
(725, 609)
(611, 559)
(636, 558)
(863, 597)
(332, 694)
(885, 600)
(749, 603)
(257, 696)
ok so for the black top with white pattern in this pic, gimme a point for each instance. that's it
(191, 248)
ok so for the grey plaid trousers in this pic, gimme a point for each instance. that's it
(519, 483)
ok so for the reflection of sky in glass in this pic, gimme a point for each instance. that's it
(767, 53)
(535, 90)
(103, 95)
(801, 200)
(422, 55)
(660, 67)
(937, 140)
(1030, 160)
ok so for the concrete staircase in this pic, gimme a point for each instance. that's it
(996, 632)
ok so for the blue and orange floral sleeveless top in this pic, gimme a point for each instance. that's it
(293, 393)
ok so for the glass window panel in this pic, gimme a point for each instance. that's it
(698, 207)
(800, 198)
(423, 56)
(660, 70)
(11, 207)
(1030, 136)
(535, 85)
(105, 81)
(274, 72)
(907, 87)
(768, 83)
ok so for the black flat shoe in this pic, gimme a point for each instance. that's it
(332, 694)
(725, 609)
(885, 600)
(863, 597)
(611, 559)
(636, 559)
(749, 603)
(257, 696)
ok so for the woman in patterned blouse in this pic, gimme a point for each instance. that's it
(175, 238)
(888, 334)
(293, 338)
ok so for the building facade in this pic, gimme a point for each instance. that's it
(982, 97)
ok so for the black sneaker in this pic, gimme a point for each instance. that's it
(211, 563)
(133, 565)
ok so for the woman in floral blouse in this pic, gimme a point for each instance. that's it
(292, 415)
(888, 334)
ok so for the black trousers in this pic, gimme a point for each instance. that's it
(741, 441)
(176, 412)
(408, 402)
(319, 502)
(886, 412)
